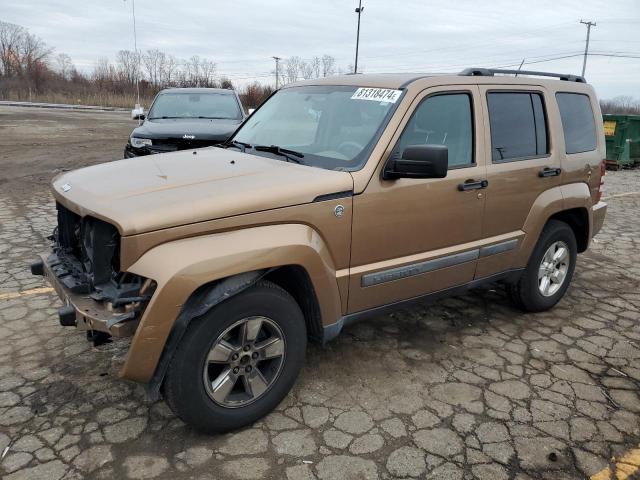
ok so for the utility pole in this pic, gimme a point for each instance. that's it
(359, 12)
(586, 47)
(277, 59)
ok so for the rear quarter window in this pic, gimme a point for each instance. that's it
(578, 123)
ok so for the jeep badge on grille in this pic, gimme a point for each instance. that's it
(188, 137)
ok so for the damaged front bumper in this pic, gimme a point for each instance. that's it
(83, 311)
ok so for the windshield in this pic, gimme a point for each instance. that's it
(334, 127)
(195, 105)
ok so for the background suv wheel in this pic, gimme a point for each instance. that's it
(549, 271)
(238, 361)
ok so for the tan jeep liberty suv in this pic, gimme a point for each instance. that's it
(338, 199)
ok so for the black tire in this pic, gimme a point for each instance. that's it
(184, 387)
(525, 293)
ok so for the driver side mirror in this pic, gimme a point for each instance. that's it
(137, 113)
(419, 161)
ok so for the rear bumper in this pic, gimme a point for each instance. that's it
(599, 211)
(89, 314)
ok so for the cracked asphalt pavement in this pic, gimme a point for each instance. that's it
(468, 388)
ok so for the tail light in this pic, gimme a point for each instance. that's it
(603, 172)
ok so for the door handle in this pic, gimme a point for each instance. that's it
(549, 172)
(473, 185)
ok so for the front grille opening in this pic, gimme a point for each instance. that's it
(68, 231)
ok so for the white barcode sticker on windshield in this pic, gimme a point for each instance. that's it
(377, 94)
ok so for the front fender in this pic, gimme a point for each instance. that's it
(180, 267)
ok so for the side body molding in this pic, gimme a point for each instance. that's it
(181, 267)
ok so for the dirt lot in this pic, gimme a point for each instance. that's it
(469, 388)
(37, 143)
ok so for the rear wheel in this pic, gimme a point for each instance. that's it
(549, 271)
(238, 361)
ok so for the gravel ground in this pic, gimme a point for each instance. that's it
(468, 388)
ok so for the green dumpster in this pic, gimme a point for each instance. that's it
(622, 135)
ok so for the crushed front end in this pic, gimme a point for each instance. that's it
(84, 269)
(163, 145)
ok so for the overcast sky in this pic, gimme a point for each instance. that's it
(408, 35)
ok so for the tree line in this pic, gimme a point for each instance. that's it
(30, 70)
(622, 105)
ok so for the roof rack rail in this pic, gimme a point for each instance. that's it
(489, 72)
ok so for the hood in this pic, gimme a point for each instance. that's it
(201, 128)
(171, 189)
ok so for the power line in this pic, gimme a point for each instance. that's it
(475, 61)
(613, 55)
(467, 46)
(516, 62)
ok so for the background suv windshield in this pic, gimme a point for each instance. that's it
(324, 123)
(195, 105)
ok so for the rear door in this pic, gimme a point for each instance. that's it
(522, 162)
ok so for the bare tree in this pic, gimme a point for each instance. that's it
(128, 65)
(306, 70)
(64, 65)
(10, 39)
(30, 61)
(103, 73)
(101, 70)
(153, 62)
(315, 65)
(226, 83)
(193, 71)
(292, 69)
(168, 71)
(199, 72)
(207, 72)
(328, 65)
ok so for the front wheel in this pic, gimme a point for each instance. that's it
(238, 361)
(549, 271)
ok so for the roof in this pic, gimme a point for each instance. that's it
(224, 91)
(478, 75)
(381, 80)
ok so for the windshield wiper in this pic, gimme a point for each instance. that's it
(242, 146)
(164, 117)
(290, 155)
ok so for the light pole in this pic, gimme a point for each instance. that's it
(277, 59)
(135, 49)
(359, 11)
(586, 47)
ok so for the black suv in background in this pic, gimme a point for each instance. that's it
(184, 118)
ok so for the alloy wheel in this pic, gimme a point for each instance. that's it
(553, 268)
(244, 362)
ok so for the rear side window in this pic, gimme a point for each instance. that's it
(443, 120)
(518, 125)
(578, 123)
